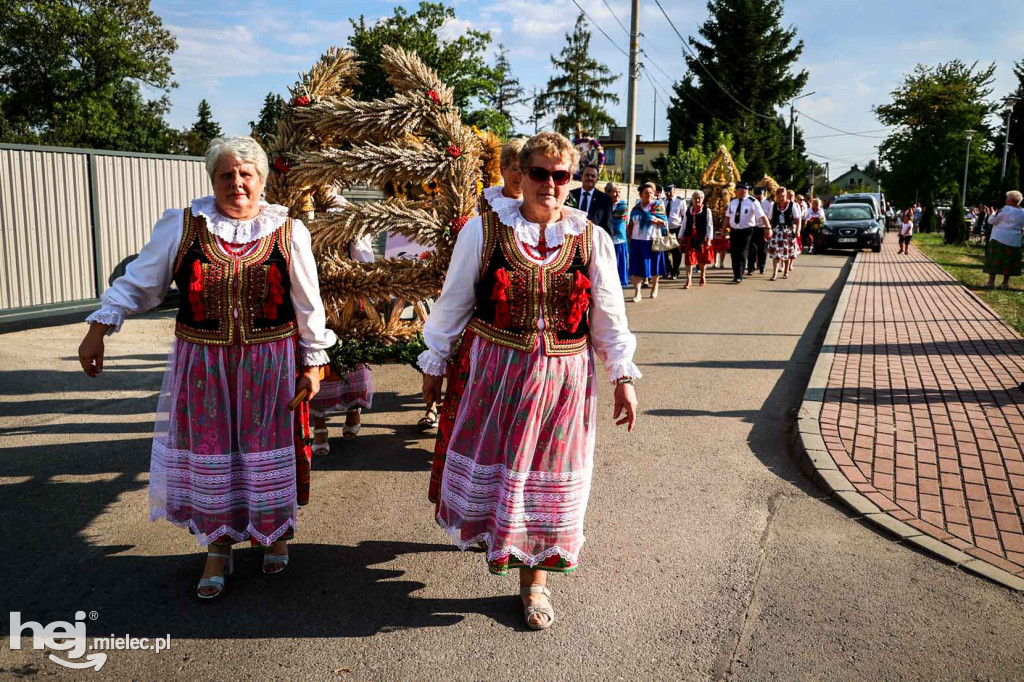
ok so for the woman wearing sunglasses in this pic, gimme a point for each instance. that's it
(646, 218)
(533, 294)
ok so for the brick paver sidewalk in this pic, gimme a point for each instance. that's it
(923, 414)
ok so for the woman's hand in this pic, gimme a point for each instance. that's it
(90, 351)
(309, 380)
(625, 401)
(432, 386)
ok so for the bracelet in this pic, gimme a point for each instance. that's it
(624, 380)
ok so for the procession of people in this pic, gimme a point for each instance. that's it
(532, 308)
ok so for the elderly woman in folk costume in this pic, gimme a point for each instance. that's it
(353, 391)
(533, 293)
(229, 459)
(495, 197)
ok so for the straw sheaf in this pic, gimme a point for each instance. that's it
(342, 279)
(407, 73)
(338, 229)
(376, 121)
(375, 164)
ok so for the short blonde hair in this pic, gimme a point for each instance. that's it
(815, 200)
(510, 152)
(1015, 196)
(785, 192)
(240, 147)
(654, 188)
(551, 145)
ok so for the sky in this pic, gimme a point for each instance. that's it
(233, 53)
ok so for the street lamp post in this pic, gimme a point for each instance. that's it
(967, 162)
(1008, 103)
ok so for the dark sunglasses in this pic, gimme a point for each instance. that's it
(559, 177)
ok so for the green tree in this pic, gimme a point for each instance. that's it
(274, 109)
(929, 218)
(507, 90)
(459, 63)
(194, 140)
(685, 167)
(955, 227)
(70, 74)
(744, 54)
(931, 109)
(1016, 130)
(578, 91)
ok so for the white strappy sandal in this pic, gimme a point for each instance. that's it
(324, 448)
(532, 609)
(271, 559)
(217, 581)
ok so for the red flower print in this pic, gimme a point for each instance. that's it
(281, 165)
(453, 151)
(301, 101)
(434, 97)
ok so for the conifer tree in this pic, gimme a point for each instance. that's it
(274, 109)
(578, 91)
(202, 131)
(743, 71)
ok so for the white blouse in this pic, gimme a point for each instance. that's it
(1007, 225)
(614, 344)
(148, 277)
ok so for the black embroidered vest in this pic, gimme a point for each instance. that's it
(697, 228)
(226, 300)
(783, 219)
(513, 290)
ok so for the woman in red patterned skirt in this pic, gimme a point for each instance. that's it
(698, 234)
(533, 293)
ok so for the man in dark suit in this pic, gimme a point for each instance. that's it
(596, 203)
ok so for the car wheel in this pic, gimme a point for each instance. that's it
(877, 248)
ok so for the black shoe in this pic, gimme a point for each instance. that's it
(750, 273)
(761, 271)
(736, 280)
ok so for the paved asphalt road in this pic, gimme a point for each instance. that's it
(709, 554)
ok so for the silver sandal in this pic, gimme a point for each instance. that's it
(217, 581)
(324, 448)
(530, 610)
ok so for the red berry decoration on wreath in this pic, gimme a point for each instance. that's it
(459, 223)
(453, 151)
(281, 165)
(301, 101)
(434, 97)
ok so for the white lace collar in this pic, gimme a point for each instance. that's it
(573, 222)
(270, 218)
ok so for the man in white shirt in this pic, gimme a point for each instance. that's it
(742, 217)
(675, 209)
(758, 255)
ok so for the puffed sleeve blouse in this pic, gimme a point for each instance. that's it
(148, 278)
(614, 344)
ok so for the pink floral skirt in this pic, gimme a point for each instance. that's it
(354, 390)
(224, 457)
(520, 458)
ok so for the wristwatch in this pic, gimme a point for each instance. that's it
(624, 380)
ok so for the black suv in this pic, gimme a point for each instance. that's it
(851, 226)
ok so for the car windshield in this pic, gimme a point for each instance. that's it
(849, 212)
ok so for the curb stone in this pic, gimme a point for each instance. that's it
(813, 456)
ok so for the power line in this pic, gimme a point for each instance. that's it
(598, 27)
(819, 137)
(710, 75)
(615, 17)
(838, 130)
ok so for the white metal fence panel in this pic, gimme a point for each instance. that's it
(132, 194)
(46, 247)
(69, 217)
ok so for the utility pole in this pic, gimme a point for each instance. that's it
(1008, 102)
(792, 118)
(654, 117)
(629, 171)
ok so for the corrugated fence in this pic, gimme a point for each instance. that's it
(69, 217)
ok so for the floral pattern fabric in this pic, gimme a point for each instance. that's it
(517, 467)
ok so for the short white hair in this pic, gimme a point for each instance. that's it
(1015, 196)
(696, 194)
(240, 147)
